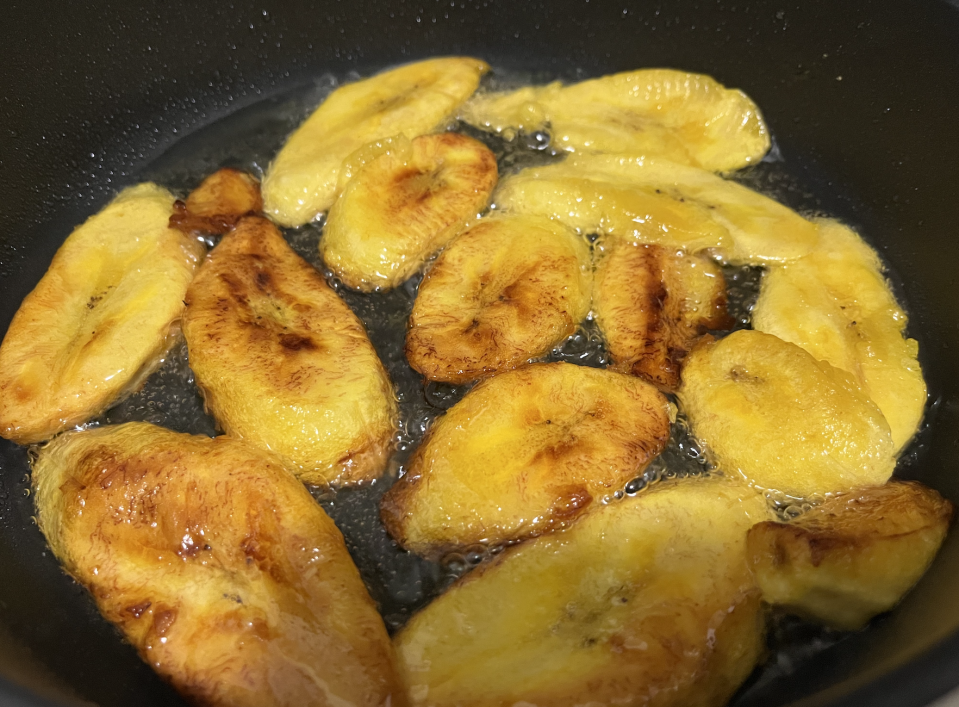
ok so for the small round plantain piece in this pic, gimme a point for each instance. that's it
(214, 207)
(653, 304)
(852, 556)
(767, 410)
(505, 291)
(283, 362)
(525, 452)
(403, 206)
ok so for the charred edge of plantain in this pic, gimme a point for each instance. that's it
(669, 336)
(215, 207)
(822, 536)
(394, 503)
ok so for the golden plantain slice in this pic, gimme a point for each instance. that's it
(653, 304)
(767, 410)
(101, 318)
(836, 304)
(216, 205)
(687, 118)
(647, 601)
(853, 556)
(412, 100)
(284, 363)
(405, 205)
(655, 201)
(217, 565)
(505, 291)
(523, 453)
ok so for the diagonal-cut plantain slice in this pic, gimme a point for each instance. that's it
(647, 601)
(284, 363)
(217, 565)
(504, 291)
(767, 410)
(214, 207)
(403, 206)
(101, 318)
(656, 201)
(653, 304)
(853, 556)
(523, 453)
(836, 304)
(412, 100)
(687, 118)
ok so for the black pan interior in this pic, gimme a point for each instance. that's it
(861, 98)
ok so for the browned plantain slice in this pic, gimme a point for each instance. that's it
(853, 556)
(101, 318)
(284, 363)
(647, 601)
(523, 453)
(652, 304)
(767, 410)
(403, 206)
(216, 205)
(504, 292)
(217, 565)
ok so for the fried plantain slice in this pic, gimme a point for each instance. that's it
(284, 363)
(660, 202)
(766, 409)
(853, 556)
(687, 118)
(505, 291)
(647, 601)
(217, 565)
(214, 207)
(523, 453)
(405, 205)
(836, 304)
(100, 320)
(411, 100)
(653, 304)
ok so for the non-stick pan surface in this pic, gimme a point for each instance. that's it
(862, 99)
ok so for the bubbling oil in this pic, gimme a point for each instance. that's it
(400, 582)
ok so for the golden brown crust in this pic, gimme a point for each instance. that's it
(653, 304)
(214, 207)
(217, 565)
(284, 363)
(852, 556)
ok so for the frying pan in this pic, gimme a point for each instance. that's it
(862, 99)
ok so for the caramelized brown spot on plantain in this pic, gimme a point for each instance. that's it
(163, 620)
(295, 342)
(571, 502)
(214, 207)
